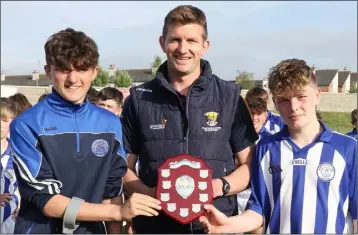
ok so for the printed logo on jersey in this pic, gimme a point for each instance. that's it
(326, 172)
(274, 169)
(100, 147)
(211, 121)
(299, 162)
(47, 129)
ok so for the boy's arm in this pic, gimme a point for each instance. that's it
(38, 185)
(258, 210)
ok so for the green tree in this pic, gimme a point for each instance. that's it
(245, 79)
(157, 61)
(102, 78)
(353, 89)
(123, 79)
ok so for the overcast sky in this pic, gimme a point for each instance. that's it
(250, 36)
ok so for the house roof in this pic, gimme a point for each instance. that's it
(354, 77)
(26, 80)
(342, 77)
(141, 75)
(138, 75)
(325, 76)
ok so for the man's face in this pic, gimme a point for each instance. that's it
(184, 46)
(259, 120)
(71, 85)
(110, 105)
(298, 109)
(5, 127)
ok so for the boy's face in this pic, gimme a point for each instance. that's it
(5, 127)
(184, 46)
(258, 120)
(110, 105)
(298, 109)
(71, 85)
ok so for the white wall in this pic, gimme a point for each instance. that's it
(7, 91)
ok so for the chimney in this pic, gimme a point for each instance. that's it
(2, 76)
(345, 68)
(35, 75)
(313, 69)
(112, 70)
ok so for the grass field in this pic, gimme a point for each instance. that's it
(340, 122)
(337, 121)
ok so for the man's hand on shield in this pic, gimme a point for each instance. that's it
(139, 204)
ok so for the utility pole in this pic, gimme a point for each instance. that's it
(39, 74)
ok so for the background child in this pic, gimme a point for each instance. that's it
(353, 133)
(9, 196)
(273, 122)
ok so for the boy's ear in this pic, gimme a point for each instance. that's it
(318, 95)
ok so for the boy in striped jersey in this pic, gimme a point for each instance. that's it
(258, 111)
(9, 197)
(303, 178)
(273, 122)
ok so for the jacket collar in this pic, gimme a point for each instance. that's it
(65, 107)
(199, 85)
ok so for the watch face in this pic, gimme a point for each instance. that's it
(226, 188)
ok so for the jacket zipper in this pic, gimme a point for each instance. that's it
(77, 134)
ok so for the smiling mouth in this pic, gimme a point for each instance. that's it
(72, 87)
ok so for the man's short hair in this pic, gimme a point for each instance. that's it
(257, 92)
(92, 95)
(8, 109)
(354, 117)
(290, 76)
(185, 14)
(256, 105)
(21, 102)
(111, 93)
(69, 47)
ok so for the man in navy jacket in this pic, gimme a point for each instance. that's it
(187, 109)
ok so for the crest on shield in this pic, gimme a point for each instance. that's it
(184, 186)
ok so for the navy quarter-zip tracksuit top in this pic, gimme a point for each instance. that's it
(75, 150)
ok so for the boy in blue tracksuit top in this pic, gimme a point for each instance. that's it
(68, 153)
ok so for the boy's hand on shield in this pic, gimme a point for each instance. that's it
(139, 204)
(213, 220)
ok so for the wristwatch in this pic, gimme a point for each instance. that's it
(226, 186)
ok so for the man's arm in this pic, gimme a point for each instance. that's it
(242, 172)
(132, 143)
(243, 137)
(132, 184)
(114, 227)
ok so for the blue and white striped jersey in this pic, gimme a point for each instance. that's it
(307, 190)
(8, 185)
(262, 133)
(274, 123)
